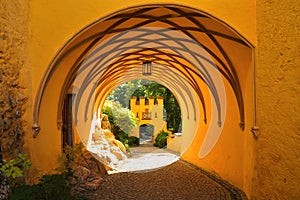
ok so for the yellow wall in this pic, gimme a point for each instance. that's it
(232, 155)
(277, 174)
(14, 69)
(153, 108)
(267, 168)
(52, 23)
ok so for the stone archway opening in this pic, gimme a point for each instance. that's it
(122, 111)
(203, 61)
(146, 132)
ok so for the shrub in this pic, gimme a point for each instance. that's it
(56, 186)
(120, 119)
(133, 141)
(161, 139)
(128, 142)
(14, 168)
(69, 157)
(50, 187)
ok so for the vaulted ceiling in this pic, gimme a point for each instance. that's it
(184, 46)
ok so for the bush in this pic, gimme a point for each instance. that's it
(69, 157)
(56, 186)
(161, 139)
(122, 122)
(50, 187)
(133, 141)
(14, 169)
(128, 142)
(120, 119)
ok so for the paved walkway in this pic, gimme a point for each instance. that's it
(147, 157)
(179, 180)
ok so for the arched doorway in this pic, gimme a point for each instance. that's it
(67, 127)
(146, 133)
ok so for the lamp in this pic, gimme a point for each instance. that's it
(147, 68)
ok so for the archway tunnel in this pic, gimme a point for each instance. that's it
(204, 62)
(146, 132)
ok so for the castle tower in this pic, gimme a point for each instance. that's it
(149, 112)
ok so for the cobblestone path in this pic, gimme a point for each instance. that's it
(179, 180)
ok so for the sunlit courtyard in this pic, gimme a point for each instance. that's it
(146, 157)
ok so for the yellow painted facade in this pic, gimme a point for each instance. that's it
(149, 112)
(268, 73)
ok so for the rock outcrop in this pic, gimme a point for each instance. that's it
(89, 174)
(103, 143)
(105, 123)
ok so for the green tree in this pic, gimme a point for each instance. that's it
(173, 114)
(124, 92)
(122, 120)
(147, 88)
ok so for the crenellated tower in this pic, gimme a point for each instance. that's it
(149, 111)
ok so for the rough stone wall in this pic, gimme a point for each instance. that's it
(13, 55)
(278, 96)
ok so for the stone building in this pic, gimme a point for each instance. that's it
(150, 113)
(232, 65)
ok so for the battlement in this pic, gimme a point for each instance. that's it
(142, 101)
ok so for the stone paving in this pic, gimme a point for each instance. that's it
(179, 180)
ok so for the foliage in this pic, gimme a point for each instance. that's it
(14, 168)
(69, 157)
(50, 187)
(33, 175)
(133, 141)
(161, 139)
(123, 93)
(148, 88)
(122, 121)
(119, 118)
(125, 120)
(55, 186)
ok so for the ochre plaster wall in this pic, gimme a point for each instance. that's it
(52, 23)
(155, 110)
(278, 96)
(276, 152)
(15, 74)
(232, 156)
